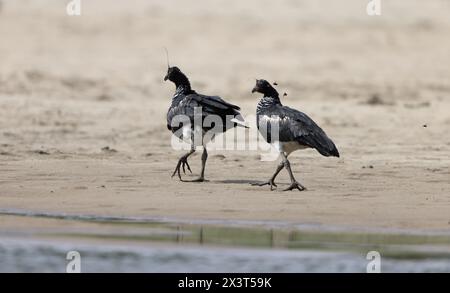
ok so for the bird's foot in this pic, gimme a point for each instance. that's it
(182, 164)
(200, 179)
(295, 185)
(269, 182)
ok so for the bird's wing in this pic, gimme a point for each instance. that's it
(214, 102)
(210, 105)
(297, 126)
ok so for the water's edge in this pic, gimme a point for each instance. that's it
(145, 244)
(231, 223)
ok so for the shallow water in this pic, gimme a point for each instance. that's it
(108, 244)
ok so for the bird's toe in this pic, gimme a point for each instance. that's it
(295, 185)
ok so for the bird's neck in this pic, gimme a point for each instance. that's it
(268, 101)
(182, 89)
(182, 83)
(271, 93)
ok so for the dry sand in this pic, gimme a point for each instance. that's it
(70, 86)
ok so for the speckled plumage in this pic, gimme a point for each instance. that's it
(185, 103)
(294, 126)
(288, 130)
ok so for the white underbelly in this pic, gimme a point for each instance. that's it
(288, 146)
(197, 134)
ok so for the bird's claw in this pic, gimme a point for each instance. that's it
(295, 185)
(185, 163)
(269, 182)
(182, 163)
(177, 170)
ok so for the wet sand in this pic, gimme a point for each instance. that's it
(82, 109)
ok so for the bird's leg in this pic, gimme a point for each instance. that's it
(271, 181)
(294, 183)
(182, 163)
(202, 174)
(204, 158)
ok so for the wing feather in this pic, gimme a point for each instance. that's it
(297, 126)
(211, 105)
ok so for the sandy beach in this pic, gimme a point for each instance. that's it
(83, 105)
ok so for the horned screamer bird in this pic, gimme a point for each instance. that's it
(296, 131)
(186, 105)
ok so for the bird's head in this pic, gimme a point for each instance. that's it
(263, 86)
(173, 74)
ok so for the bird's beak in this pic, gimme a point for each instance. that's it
(255, 89)
(166, 78)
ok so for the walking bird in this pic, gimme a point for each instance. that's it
(295, 131)
(186, 105)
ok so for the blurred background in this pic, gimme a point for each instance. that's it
(112, 56)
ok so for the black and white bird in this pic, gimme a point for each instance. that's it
(186, 104)
(295, 131)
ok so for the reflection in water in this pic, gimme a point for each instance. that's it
(118, 244)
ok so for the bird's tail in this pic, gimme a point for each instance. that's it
(334, 152)
(239, 121)
(323, 144)
(330, 150)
